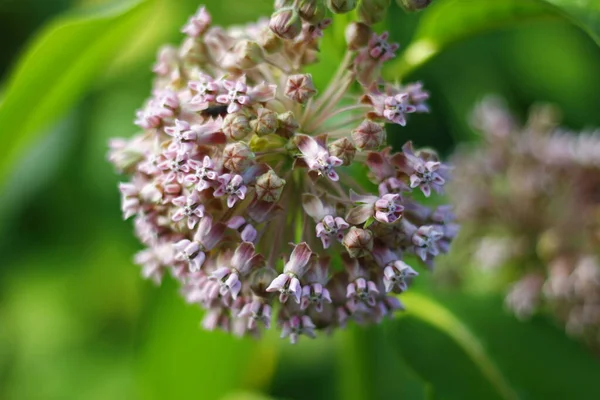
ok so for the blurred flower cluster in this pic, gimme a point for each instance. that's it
(246, 184)
(529, 198)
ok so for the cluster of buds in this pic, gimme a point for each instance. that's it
(245, 183)
(529, 197)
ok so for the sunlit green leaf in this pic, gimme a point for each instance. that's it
(468, 347)
(448, 21)
(62, 61)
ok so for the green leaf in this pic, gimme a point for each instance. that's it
(449, 21)
(468, 347)
(585, 13)
(178, 357)
(60, 64)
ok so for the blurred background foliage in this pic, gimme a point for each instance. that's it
(78, 322)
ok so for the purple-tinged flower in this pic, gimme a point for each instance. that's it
(257, 311)
(175, 168)
(217, 318)
(397, 273)
(246, 230)
(289, 282)
(417, 96)
(315, 291)
(396, 108)
(331, 227)
(198, 23)
(205, 90)
(203, 175)
(191, 253)
(317, 157)
(380, 49)
(295, 326)
(360, 287)
(242, 262)
(232, 186)
(423, 169)
(425, 241)
(190, 208)
(388, 208)
(182, 136)
(237, 94)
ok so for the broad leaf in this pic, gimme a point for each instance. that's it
(469, 347)
(61, 63)
(449, 21)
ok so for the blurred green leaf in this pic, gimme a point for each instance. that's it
(61, 63)
(178, 358)
(468, 348)
(585, 13)
(370, 369)
(449, 21)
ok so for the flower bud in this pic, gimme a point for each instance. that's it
(269, 187)
(237, 157)
(413, 5)
(260, 279)
(373, 11)
(300, 88)
(369, 135)
(269, 41)
(343, 149)
(286, 23)
(358, 35)
(341, 6)
(287, 124)
(279, 4)
(247, 54)
(358, 242)
(236, 126)
(312, 11)
(265, 123)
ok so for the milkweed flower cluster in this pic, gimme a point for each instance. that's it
(531, 194)
(245, 178)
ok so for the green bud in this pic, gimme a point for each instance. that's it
(341, 6)
(413, 5)
(266, 122)
(287, 124)
(312, 11)
(286, 23)
(236, 126)
(373, 11)
(269, 187)
(265, 143)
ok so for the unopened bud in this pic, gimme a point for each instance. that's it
(279, 4)
(248, 54)
(269, 187)
(312, 11)
(369, 135)
(300, 88)
(265, 123)
(260, 280)
(358, 35)
(287, 124)
(343, 149)
(237, 157)
(413, 5)
(269, 41)
(236, 126)
(341, 6)
(358, 242)
(286, 23)
(373, 11)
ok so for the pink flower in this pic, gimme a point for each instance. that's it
(204, 173)
(396, 108)
(317, 157)
(236, 96)
(232, 186)
(288, 282)
(190, 208)
(198, 23)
